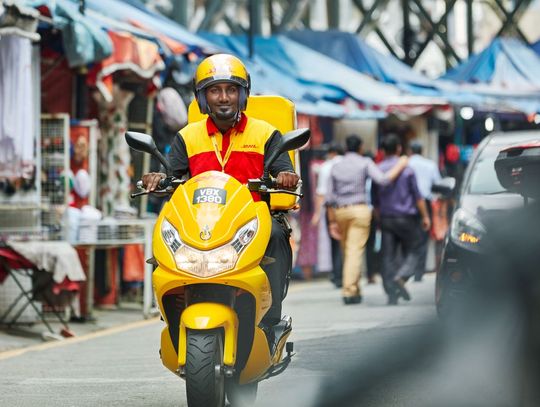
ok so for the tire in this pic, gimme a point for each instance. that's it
(241, 395)
(205, 382)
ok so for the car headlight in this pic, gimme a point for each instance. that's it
(207, 263)
(466, 231)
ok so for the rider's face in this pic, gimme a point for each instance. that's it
(222, 98)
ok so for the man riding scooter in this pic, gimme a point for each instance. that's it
(230, 142)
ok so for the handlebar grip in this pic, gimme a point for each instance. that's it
(164, 183)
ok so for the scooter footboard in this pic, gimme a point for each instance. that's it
(205, 316)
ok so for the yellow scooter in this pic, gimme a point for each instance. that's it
(208, 244)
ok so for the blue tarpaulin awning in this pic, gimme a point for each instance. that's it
(353, 51)
(265, 79)
(536, 47)
(306, 77)
(504, 75)
(507, 64)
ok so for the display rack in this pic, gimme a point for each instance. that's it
(54, 172)
(111, 233)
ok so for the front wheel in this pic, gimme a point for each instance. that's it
(241, 395)
(205, 382)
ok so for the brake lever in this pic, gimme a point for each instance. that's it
(136, 194)
(139, 186)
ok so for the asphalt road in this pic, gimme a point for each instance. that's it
(333, 344)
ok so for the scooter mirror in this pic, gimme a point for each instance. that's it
(145, 143)
(141, 142)
(290, 141)
(294, 139)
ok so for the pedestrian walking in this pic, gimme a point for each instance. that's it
(403, 217)
(349, 215)
(427, 173)
(329, 256)
(373, 245)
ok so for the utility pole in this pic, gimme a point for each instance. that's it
(407, 33)
(470, 30)
(255, 22)
(180, 12)
(332, 7)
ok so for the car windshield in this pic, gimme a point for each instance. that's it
(483, 176)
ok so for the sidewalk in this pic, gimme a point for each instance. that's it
(24, 335)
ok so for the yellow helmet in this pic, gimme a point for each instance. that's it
(221, 68)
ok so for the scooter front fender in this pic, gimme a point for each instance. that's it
(206, 316)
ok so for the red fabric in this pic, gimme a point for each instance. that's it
(66, 285)
(83, 257)
(379, 156)
(439, 225)
(452, 153)
(56, 83)
(14, 260)
(129, 53)
(112, 272)
(133, 263)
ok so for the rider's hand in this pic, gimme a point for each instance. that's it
(151, 180)
(287, 180)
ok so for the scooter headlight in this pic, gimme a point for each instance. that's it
(207, 263)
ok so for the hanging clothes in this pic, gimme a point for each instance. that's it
(115, 158)
(16, 108)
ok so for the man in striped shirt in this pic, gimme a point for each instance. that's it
(349, 215)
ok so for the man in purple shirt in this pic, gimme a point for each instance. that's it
(349, 215)
(403, 215)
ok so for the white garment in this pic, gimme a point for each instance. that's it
(58, 258)
(172, 109)
(324, 244)
(82, 183)
(426, 173)
(324, 174)
(16, 107)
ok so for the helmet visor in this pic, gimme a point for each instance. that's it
(237, 80)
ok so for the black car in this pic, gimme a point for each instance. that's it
(480, 201)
